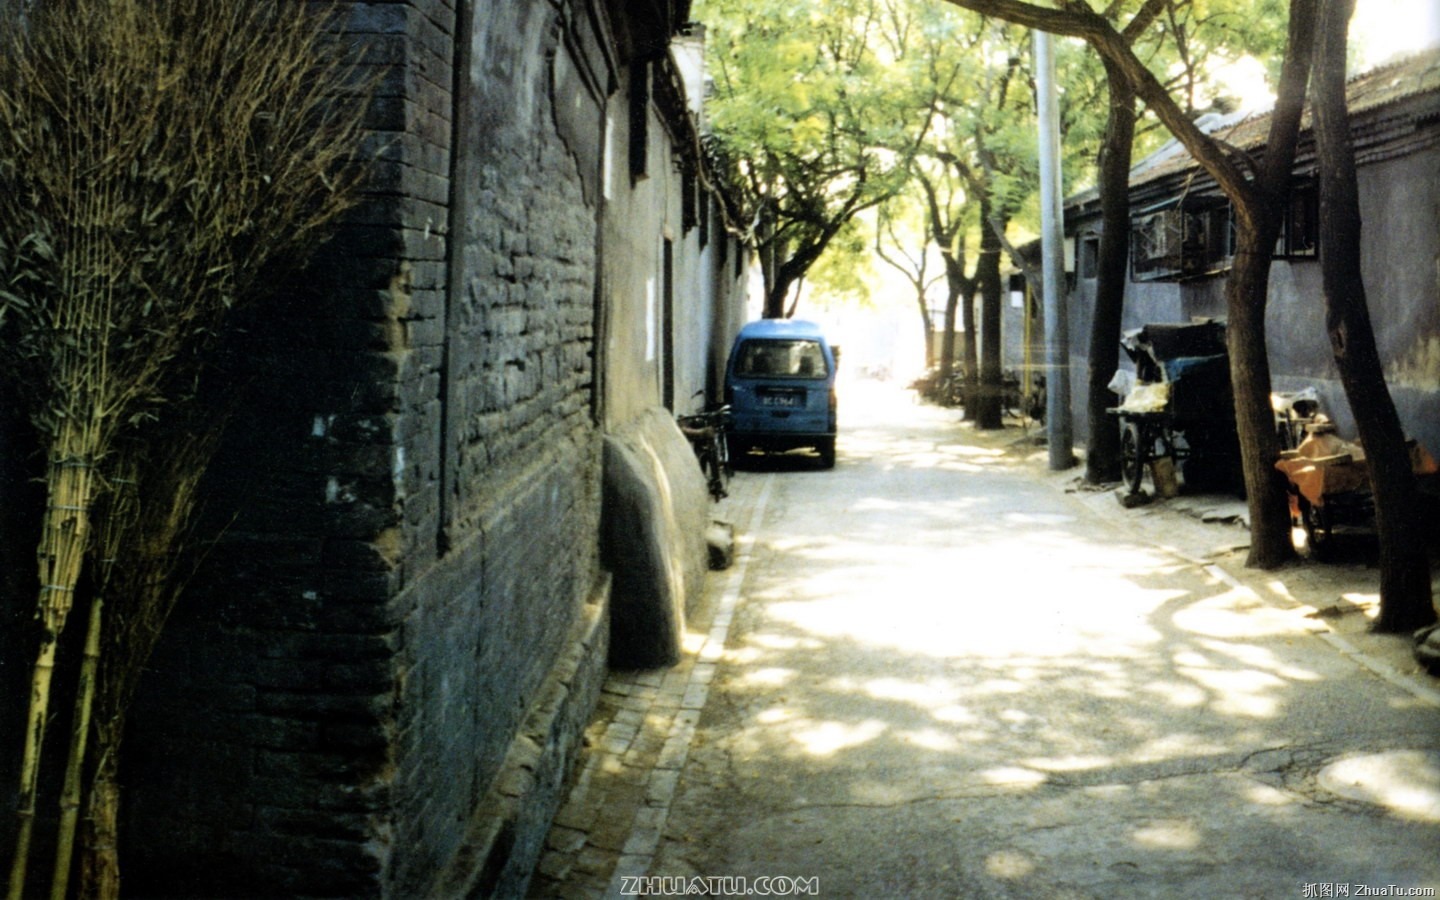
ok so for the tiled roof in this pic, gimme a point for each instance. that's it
(1368, 93)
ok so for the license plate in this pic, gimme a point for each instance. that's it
(787, 401)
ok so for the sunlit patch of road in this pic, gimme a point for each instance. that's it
(927, 629)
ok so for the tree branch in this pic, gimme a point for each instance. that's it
(1078, 20)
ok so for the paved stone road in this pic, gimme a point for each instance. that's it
(933, 673)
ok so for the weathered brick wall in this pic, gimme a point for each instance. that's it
(264, 747)
(416, 498)
(374, 685)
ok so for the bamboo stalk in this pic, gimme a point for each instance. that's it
(64, 536)
(29, 774)
(157, 158)
(116, 520)
(70, 794)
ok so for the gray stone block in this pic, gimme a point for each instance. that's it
(653, 520)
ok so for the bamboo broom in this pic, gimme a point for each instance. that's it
(64, 539)
(79, 392)
(157, 541)
(116, 520)
(141, 195)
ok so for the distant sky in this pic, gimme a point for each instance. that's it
(1380, 30)
(1383, 28)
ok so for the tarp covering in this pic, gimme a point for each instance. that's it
(1145, 398)
(1327, 464)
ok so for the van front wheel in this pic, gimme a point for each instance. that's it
(827, 453)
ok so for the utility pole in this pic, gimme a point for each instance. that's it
(1059, 434)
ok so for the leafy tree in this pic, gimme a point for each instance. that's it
(935, 49)
(948, 215)
(1256, 190)
(895, 249)
(978, 75)
(994, 153)
(966, 75)
(801, 106)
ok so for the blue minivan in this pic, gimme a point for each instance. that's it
(780, 384)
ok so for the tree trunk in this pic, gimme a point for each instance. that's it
(1258, 212)
(969, 349)
(1102, 458)
(989, 398)
(1245, 291)
(954, 287)
(927, 325)
(775, 302)
(1405, 599)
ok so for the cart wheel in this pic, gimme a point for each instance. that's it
(1132, 458)
(1319, 537)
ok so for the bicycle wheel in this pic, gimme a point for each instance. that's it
(1132, 456)
(714, 472)
(1316, 520)
(722, 452)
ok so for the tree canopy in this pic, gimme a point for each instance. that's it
(804, 104)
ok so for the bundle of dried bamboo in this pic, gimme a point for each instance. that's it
(160, 160)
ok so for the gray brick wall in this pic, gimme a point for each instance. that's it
(374, 685)
(400, 576)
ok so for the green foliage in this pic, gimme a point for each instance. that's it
(822, 107)
(804, 106)
(845, 272)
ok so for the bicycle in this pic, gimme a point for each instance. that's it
(706, 433)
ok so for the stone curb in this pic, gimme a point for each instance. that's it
(1388, 656)
(611, 824)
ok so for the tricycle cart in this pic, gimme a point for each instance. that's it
(1179, 406)
(1329, 485)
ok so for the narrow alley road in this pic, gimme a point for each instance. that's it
(943, 677)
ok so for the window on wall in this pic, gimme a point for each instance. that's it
(1176, 241)
(705, 202)
(689, 216)
(1300, 232)
(1180, 242)
(1090, 256)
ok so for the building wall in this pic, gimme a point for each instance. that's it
(702, 286)
(377, 682)
(384, 562)
(642, 215)
(1400, 206)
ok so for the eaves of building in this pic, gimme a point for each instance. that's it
(1394, 111)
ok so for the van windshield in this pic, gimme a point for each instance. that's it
(781, 359)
